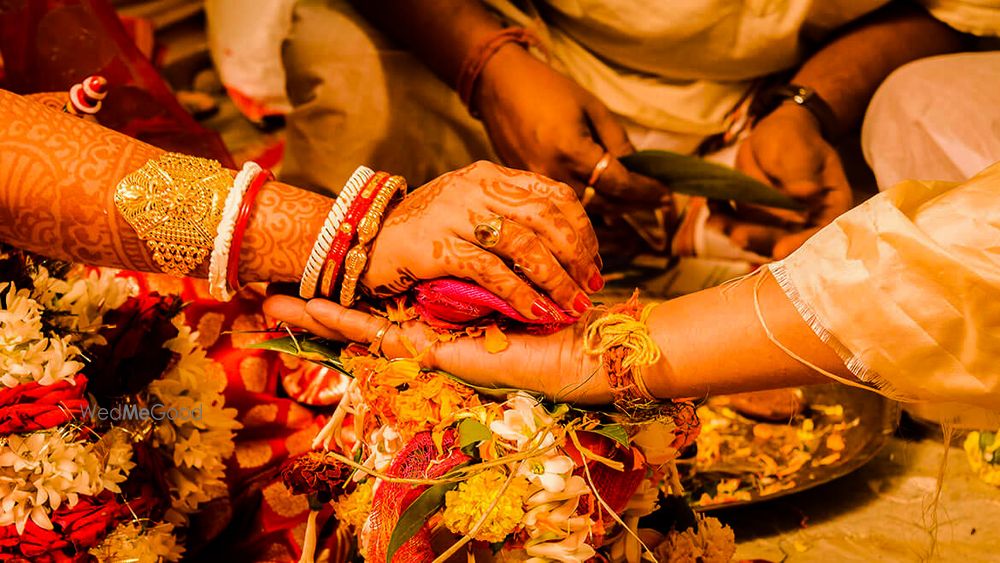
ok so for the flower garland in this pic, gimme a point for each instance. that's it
(412, 454)
(76, 344)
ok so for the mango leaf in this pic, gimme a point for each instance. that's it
(472, 432)
(694, 176)
(492, 392)
(323, 352)
(416, 515)
(614, 431)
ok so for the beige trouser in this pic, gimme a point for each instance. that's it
(359, 99)
(937, 119)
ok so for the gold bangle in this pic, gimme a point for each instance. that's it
(175, 203)
(368, 227)
(331, 269)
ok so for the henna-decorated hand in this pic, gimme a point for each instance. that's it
(545, 233)
(571, 374)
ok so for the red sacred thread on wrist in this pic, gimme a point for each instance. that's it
(242, 219)
(477, 58)
(345, 234)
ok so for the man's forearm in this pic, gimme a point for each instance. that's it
(713, 343)
(848, 69)
(439, 32)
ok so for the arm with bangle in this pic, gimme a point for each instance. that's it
(70, 189)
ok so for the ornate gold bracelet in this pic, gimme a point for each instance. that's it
(175, 203)
(357, 257)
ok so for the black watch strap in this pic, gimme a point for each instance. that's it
(771, 98)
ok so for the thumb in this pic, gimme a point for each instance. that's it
(607, 130)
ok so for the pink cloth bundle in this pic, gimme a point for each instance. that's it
(454, 304)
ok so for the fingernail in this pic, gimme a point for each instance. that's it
(582, 304)
(598, 262)
(596, 282)
(539, 309)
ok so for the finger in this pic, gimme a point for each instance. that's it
(292, 310)
(607, 129)
(357, 326)
(618, 182)
(747, 163)
(490, 272)
(570, 238)
(756, 238)
(526, 250)
(565, 199)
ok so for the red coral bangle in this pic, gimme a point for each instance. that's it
(481, 54)
(345, 234)
(242, 219)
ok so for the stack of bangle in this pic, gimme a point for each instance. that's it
(622, 340)
(357, 215)
(242, 220)
(310, 275)
(223, 268)
(357, 258)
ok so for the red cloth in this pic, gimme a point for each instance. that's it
(418, 459)
(49, 45)
(452, 304)
(30, 406)
(263, 521)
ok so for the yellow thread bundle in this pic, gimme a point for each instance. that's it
(624, 330)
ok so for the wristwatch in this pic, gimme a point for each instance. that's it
(769, 100)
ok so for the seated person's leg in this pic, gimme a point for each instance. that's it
(935, 119)
(358, 99)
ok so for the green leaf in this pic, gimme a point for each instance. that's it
(694, 176)
(317, 350)
(614, 431)
(492, 392)
(472, 432)
(416, 515)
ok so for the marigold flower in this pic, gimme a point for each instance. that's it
(465, 505)
(353, 509)
(315, 473)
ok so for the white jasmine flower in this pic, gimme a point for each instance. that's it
(549, 472)
(141, 544)
(521, 422)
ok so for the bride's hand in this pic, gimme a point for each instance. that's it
(545, 232)
(555, 365)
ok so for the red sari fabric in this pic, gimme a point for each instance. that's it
(49, 45)
(262, 520)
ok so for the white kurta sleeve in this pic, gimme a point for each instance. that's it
(906, 288)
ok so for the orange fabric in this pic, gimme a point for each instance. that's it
(267, 522)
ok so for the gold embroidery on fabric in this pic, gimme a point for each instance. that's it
(283, 502)
(253, 372)
(253, 454)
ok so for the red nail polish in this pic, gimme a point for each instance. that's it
(581, 304)
(596, 282)
(539, 309)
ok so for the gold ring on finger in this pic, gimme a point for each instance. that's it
(599, 168)
(487, 233)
